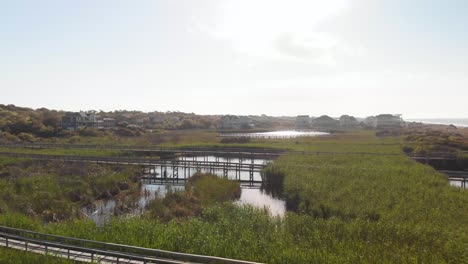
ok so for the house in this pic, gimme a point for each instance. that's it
(347, 121)
(302, 122)
(70, 121)
(108, 123)
(123, 118)
(236, 122)
(389, 122)
(370, 121)
(325, 123)
(73, 121)
(140, 121)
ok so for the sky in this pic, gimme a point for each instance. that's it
(334, 57)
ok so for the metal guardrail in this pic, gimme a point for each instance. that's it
(94, 250)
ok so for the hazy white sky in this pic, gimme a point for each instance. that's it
(332, 57)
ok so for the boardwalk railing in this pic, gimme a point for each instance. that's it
(239, 151)
(95, 251)
(173, 165)
(143, 161)
(457, 176)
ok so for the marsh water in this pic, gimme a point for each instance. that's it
(252, 193)
(277, 134)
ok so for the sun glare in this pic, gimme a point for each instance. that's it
(255, 26)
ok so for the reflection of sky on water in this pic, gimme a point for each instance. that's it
(260, 199)
(104, 210)
(456, 183)
(277, 134)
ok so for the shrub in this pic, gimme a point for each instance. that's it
(26, 137)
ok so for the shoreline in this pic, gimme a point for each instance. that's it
(442, 122)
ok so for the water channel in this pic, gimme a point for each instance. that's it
(277, 134)
(252, 193)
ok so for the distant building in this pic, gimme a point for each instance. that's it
(325, 123)
(389, 122)
(108, 123)
(70, 121)
(370, 121)
(302, 122)
(140, 121)
(73, 121)
(236, 122)
(347, 121)
(122, 118)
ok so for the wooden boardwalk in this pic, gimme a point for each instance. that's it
(82, 250)
(421, 158)
(457, 176)
(245, 152)
(161, 168)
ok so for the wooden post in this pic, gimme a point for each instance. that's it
(251, 172)
(175, 172)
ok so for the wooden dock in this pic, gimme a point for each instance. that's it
(175, 169)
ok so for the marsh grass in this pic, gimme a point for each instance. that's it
(13, 256)
(201, 192)
(348, 208)
(55, 191)
(71, 151)
(212, 189)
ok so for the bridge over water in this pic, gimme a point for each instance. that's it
(167, 169)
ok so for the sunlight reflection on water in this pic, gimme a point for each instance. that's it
(277, 134)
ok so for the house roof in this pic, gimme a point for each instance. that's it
(324, 118)
(386, 116)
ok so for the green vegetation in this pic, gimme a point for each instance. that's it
(12, 256)
(345, 208)
(70, 151)
(427, 140)
(212, 189)
(201, 192)
(20, 124)
(55, 191)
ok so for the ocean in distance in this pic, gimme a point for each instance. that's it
(459, 122)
